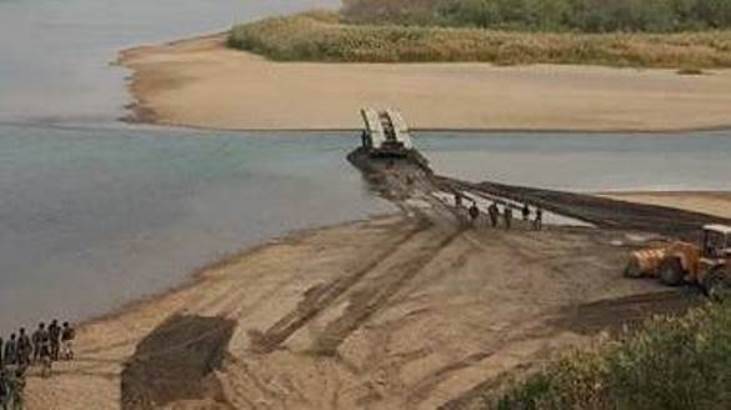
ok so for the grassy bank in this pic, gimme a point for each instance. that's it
(588, 16)
(672, 363)
(323, 37)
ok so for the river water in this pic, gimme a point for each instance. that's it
(95, 213)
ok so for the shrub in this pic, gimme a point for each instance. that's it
(568, 15)
(672, 363)
(324, 38)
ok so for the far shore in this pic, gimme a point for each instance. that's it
(201, 83)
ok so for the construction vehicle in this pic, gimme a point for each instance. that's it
(707, 264)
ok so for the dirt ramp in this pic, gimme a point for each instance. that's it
(175, 363)
(602, 212)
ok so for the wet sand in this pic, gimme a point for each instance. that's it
(201, 83)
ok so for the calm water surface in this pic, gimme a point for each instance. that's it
(56, 54)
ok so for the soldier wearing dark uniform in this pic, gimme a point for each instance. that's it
(17, 388)
(538, 222)
(2, 356)
(526, 212)
(35, 339)
(508, 215)
(10, 351)
(44, 340)
(474, 212)
(45, 350)
(67, 338)
(4, 390)
(54, 333)
(24, 348)
(494, 213)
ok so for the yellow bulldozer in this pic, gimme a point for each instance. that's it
(707, 264)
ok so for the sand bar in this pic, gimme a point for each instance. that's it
(201, 83)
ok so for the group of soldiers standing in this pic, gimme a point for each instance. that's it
(17, 354)
(494, 214)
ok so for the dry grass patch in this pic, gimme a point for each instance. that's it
(322, 36)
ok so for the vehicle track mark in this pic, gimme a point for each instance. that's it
(320, 297)
(363, 305)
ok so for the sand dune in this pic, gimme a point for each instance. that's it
(201, 83)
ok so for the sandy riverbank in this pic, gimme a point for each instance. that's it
(385, 313)
(388, 313)
(712, 203)
(201, 83)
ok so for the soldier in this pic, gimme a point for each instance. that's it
(10, 351)
(17, 389)
(457, 200)
(526, 212)
(36, 340)
(67, 338)
(494, 214)
(4, 390)
(45, 354)
(538, 222)
(2, 363)
(474, 212)
(54, 333)
(24, 348)
(508, 215)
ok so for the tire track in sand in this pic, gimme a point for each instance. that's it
(369, 301)
(320, 297)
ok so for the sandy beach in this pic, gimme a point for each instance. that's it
(201, 83)
(384, 313)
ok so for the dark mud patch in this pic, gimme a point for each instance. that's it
(176, 361)
(615, 315)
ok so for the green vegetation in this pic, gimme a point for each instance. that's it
(565, 15)
(672, 363)
(322, 36)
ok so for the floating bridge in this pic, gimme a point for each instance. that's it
(386, 133)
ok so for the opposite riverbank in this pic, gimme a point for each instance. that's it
(200, 82)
